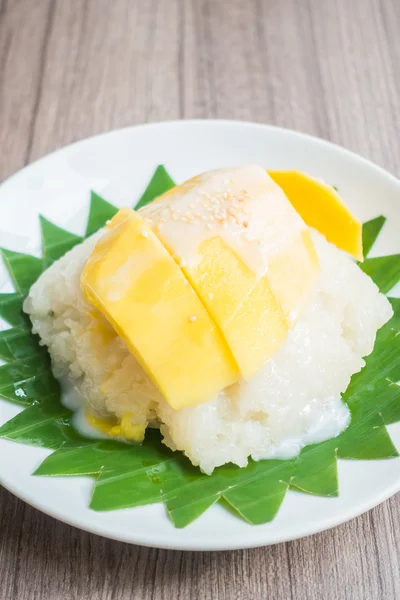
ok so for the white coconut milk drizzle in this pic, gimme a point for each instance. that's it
(242, 206)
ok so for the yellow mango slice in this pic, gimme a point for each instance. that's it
(245, 309)
(135, 283)
(228, 229)
(322, 208)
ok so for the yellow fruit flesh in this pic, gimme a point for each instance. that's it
(104, 425)
(110, 426)
(321, 207)
(244, 309)
(134, 282)
(291, 274)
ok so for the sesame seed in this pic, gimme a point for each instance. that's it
(210, 295)
(144, 234)
(192, 318)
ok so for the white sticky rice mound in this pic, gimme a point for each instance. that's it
(293, 401)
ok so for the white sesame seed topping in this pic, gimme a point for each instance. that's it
(192, 318)
(144, 234)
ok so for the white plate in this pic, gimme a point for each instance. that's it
(118, 165)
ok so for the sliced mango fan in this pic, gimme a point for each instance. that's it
(127, 476)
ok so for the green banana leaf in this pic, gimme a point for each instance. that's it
(131, 475)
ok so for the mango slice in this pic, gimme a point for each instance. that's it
(322, 208)
(135, 283)
(245, 251)
(246, 310)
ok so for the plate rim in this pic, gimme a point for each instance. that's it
(232, 122)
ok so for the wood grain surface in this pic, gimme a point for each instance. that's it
(70, 69)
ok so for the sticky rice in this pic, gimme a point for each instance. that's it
(294, 400)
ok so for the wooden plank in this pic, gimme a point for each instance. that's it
(24, 35)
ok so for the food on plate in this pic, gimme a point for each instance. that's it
(217, 314)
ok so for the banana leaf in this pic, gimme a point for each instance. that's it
(134, 475)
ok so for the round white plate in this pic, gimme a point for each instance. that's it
(118, 165)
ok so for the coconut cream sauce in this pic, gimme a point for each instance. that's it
(242, 205)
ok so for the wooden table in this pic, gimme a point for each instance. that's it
(70, 69)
